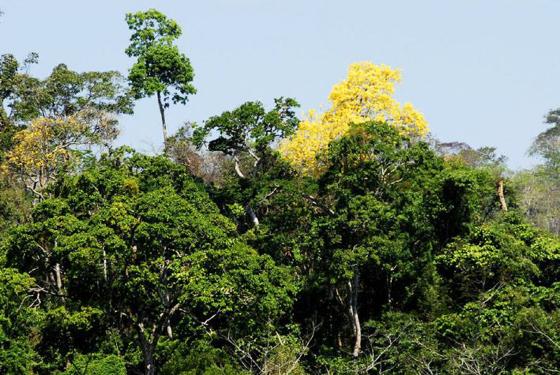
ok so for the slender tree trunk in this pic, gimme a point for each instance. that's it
(238, 169)
(248, 209)
(353, 310)
(58, 277)
(503, 204)
(163, 124)
(149, 368)
(147, 347)
(104, 264)
(253, 216)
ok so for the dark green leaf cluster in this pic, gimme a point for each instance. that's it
(160, 67)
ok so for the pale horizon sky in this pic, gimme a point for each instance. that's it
(484, 72)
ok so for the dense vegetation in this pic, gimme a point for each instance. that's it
(347, 242)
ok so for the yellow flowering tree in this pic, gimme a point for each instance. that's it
(365, 95)
(49, 146)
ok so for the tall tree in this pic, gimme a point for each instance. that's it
(249, 130)
(547, 143)
(248, 133)
(51, 146)
(160, 69)
(63, 93)
(539, 187)
(12, 81)
(365, 95)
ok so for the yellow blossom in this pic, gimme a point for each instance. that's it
(366, 94)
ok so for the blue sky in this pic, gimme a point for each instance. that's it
(482, 71)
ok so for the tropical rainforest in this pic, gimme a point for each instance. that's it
(347, 241)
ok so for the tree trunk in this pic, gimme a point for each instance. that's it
(58, 278)
(104, 264)
(147, 347)
(149, 367)
(253, 216)
(163, 124)
(503, 204)
(238, 169)
(353, 310)
(248, 209)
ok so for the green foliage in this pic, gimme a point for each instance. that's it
(96, 365)
(160, 67)
(136, 237)
(546, 143)
(19, 323)
(200, 358)
(396, 257)
(249, 127)
(66, 92)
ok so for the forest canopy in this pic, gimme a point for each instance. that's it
(349, 241)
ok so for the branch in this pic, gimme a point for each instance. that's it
(318, 204)
(237, 168)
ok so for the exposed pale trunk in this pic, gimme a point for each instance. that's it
(353, 310)
(238, 169)
(58, 277)
(248, 209)
(253, 216)
(169, 331)
(104, 265)
(503, 204)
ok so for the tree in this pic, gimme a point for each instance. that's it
(365, 95)
(210, 166)
(51, 121)
(12, 74)
(65, 93)
(160, 68)
(547, 143)
(20, 322)
(249, 130)
(50, 146)
(133, 244)
(539, 187)
(248, 133)
(376, 186)
(8, 70)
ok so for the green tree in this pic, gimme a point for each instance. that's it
(539, 187)
(382, 191)
(247, 135)
(160, 68)
(20, 322)
(546, 144)
(135, 245)
(64, 93)
(12, 77)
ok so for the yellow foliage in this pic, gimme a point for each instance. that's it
(366, 94)
(42, 148)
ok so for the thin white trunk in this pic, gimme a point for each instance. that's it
(503, 204)
(104, 265)
(253, 216)
(238, 169)
(169, 331)
(353, 309)
(58, 277)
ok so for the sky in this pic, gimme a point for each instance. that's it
(484, 72)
